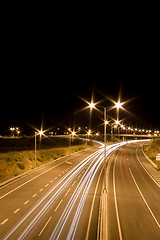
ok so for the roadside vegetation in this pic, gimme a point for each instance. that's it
(152, 149)
(18, 156)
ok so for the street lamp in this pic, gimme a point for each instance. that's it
(12, 130)
(91, 106)
(37, 133)
(72, 134)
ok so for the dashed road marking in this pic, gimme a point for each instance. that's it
(17, 210)
(67, 192)
(58, 205)
(45, 226)
(34, 195)
(2, 223)
(46, 185)
(41, 190)
(74, 183)
(26, 202)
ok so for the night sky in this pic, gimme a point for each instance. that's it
(45, 73)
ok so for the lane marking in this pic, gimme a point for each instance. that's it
(26, 202)
(144, 199)
(34, 195)
(91, 212)
(74, 183)
(41, 190)
(44, 226)
(17, 210)
(21, 185)
(51, 181)
(68, 162)
(2, 223)
(58, 205)
(78, 176)
(55, 178)
(115, 200)
(146, 169)
(46, 185)
(67, 192)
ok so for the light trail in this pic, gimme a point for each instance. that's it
(92, 163)
(61, 223)
(67, 179)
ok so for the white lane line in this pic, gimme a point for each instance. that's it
(74, 183)
(67, 192)
(115, 200)
(45, 226)
(26, 202)
(46, 185)
(93, 201)
(58, 205)
(79, 176)
(31, 179)
(55, 177)
(2, 223)
(68, 162)
(146, 169)
(17, 210)
(41, 190)
(144, 199)
(51, 181)
(34, 195)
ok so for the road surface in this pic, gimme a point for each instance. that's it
(61, 200)
(57, 201)
(133, 204)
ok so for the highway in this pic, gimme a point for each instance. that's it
(61, 199)
(133, 199)
(57, 201)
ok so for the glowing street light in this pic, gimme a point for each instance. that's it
(117, 122)
(12, 130)
(91, 105)
(73, 133)
(118, 105)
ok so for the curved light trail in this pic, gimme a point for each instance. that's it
(89, 166)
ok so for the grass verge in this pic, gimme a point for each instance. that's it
(13, 163)
(152, 149)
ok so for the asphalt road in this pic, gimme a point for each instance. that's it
(57, 201)
(133, 204)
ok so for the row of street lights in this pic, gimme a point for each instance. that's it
(13, 129)
(117, 124)
(118, 105)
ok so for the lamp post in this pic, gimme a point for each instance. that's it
(92, 105)
(12, 130)
(73, 133)
(105, 125)
(37, 133)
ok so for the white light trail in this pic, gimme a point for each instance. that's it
(89, 166)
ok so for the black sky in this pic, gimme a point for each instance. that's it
(45, 69)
